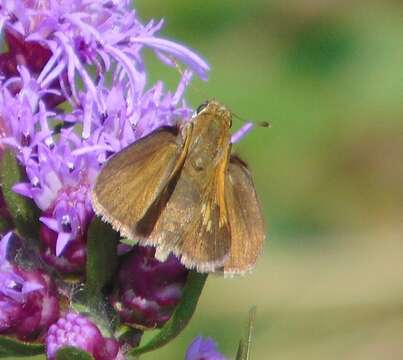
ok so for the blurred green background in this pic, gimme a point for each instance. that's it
(328, 75)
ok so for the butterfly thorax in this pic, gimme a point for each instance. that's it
(210, 137)
(207, 159)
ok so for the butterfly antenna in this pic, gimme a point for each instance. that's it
(246, 127)
(265, 124)
(182, 72)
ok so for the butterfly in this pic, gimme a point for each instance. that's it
(181, 190)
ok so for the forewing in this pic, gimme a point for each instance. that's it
(245, 219)
(133, 179)
(194, 223)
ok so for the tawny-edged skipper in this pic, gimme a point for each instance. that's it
(181, 190)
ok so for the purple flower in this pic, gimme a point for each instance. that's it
(25, 122)
(28, 299)
(203, 349)
(60, 183)
(148, 290)
(104, 34)
(78, 331)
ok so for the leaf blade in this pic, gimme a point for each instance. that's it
(245, 343)
(72, 353)
(10, 347)
(23, 211)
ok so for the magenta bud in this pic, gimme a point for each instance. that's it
(78, 331)
(148, 290)
(71, 260)
(28, 298)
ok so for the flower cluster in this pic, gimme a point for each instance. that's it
(74, 91)
(53, 46)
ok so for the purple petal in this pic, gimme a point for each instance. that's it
(203, 349)
(183, 84)
(62, 241)
(23, 189)
(195, 62)
(50, 223)
(4, 247)
(241, 132)
(30, 287)
(137, 79)
(88, 149)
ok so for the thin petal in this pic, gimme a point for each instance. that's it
(50, 223)
(61, 243)
(241, 132)
(30, 287)
(4, 246)
(195, 62)
(23, 189)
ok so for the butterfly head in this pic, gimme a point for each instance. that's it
(214, 110)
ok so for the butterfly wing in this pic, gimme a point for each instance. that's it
(194, 223)
(133, 179)
(245, 219)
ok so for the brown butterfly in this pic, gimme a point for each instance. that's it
(180, 190)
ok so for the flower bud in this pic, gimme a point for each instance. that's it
(73, 258)
(28, 298)
(148, 290)
(78, 331)
(64, 228)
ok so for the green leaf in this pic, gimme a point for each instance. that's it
(245, 343)
(71, 353)
(180, 318)
(101, 257)
(5, 225)
(24, 212)
(13, 348)
(33, 357)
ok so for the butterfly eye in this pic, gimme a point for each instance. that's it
(201, 107)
